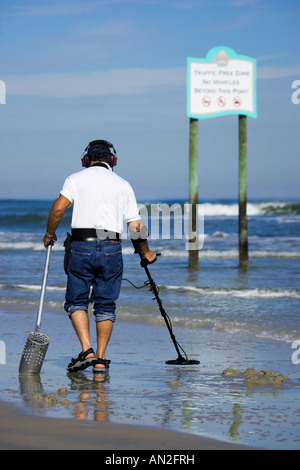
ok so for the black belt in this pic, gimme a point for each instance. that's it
(91, 235)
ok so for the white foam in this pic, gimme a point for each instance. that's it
(33, 287)
(28, 245)
(246, 293)
(231, 210)
(169, 253)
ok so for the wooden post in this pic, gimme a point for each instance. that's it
(193, 194)
(243, 229)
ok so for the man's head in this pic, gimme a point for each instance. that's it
(99, 151)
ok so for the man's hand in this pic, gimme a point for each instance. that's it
(150, 256)
(47, 240)
(141, 245)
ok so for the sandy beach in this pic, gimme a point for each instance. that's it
(19, 431)
(143, 403)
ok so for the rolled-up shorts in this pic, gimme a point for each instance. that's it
(95, 271)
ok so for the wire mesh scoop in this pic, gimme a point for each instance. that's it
(37, 343)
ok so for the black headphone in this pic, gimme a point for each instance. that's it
(97, 148)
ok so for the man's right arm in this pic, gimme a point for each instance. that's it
(56, 214)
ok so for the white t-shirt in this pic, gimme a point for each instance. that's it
(101, 199)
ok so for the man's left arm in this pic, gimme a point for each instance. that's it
(138, 227)
(56, 214)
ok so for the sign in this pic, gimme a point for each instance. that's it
(2, 92)
(222, 83)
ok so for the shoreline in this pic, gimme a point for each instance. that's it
(142, 403)
(20, 431)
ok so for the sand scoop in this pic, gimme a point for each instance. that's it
(37, 343)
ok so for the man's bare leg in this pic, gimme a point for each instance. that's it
(80, 323)
(104, 330)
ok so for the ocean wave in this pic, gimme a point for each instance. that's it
(34, 214)
(253, 209)
(204, 291)
(218, 324)
(228, 254)
(245, 293)
(28, 245)
(218, 234)
(167, 253)
(227, 208)
(235, 327)
(269, 327)
(33, 287)
(27, 220)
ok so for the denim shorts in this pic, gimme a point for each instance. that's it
(95, 271)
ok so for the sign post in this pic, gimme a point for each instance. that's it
(225, 83)
(243, 225)
(193, 194)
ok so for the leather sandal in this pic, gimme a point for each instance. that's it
(104, 362)
(82, 362)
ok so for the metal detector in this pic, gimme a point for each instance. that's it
(37, 343)
(182, 361)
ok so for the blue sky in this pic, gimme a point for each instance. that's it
(80, 70)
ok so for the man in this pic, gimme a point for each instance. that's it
(101, 202)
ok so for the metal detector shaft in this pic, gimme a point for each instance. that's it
(154, 290)
(160, 306)
(43, 290)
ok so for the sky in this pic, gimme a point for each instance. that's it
(76, 71)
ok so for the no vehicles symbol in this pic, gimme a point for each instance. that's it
(221, 101)
(206, 101)
(237, 101)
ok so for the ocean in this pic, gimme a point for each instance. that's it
(262, 302)
(259, 305)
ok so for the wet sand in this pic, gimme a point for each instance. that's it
(19, 431)
(144, 403)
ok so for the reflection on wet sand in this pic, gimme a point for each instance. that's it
(90, 390)
(91, 393)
